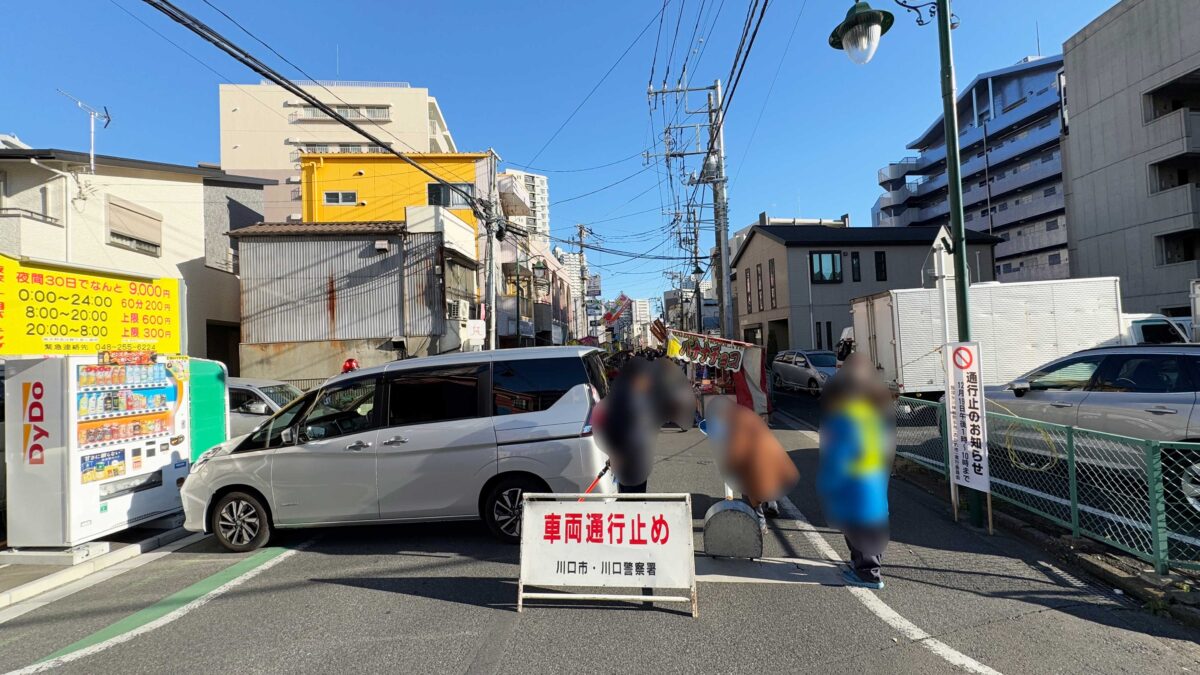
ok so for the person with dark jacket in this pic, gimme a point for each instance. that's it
(856, 439)
(629, 421)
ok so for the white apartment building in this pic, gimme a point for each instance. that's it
(134, 217)
(264, 129)
(575, 265)
(538, 221)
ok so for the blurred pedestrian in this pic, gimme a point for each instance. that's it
(751, 458)
(629, 421)
(856, 439)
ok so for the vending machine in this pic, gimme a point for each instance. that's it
(93, 444)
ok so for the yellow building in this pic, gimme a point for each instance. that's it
(347, 187)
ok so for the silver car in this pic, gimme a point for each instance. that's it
(451, 437)
(252, 401)
(1147, 391)
(807, 370)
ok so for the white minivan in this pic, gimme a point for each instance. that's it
(451, 437)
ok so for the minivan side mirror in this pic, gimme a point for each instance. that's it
(1019, 387)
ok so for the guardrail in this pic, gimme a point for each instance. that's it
(1139, 496)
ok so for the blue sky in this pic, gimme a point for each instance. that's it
(508, 73)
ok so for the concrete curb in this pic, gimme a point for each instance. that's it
(87, 567)
(1152, 597)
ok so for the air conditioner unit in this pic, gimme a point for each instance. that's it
(291, 141)
(458, 310)
(295, 217)
(293, 179)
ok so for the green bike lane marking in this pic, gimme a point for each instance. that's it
(168, 609)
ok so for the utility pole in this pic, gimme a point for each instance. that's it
(713, 173)
(583, 282)
(490, 224)
(721, 210)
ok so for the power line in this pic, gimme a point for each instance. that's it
(597, 85)
(610, 185)
(526, 167)
(738, 78)
(482, 207)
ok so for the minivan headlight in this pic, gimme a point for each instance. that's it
(203, 459)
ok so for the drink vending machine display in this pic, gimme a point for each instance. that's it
(93, 447)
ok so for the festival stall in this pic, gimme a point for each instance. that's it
(723, 367)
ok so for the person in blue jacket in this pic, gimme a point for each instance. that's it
(856, 439)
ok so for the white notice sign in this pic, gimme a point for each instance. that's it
(626, 541)
(966, 421)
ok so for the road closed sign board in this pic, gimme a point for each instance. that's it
(966, 420)
(572, 542)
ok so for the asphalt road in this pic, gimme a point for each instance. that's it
(441, 598)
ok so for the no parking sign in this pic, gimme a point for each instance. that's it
(966, 420)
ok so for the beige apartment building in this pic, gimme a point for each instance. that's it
(264, 129)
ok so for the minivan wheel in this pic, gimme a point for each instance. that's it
(502, 507)
(240, 522)
(814, 388)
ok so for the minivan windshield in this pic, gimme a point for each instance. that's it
(280, 393)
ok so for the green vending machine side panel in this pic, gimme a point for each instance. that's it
(209, 405)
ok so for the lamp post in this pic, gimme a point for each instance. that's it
(859, 36)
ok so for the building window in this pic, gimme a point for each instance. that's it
(749, 303)
(341, 198)
(442, 195)
(44, 195)
(829, 334)
(817, 336)
(825, 267)
(771, 275)
(880, 265)
(983, 213)
(133, 227)
(1176, 247)
(855, 267)
(1003, 206)
(1055, 259)
(1052, 224)
(758, 278)
(1050, 191)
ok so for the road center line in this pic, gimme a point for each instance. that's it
(168, 609)
(879, 608)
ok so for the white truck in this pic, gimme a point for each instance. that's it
(1019, 327)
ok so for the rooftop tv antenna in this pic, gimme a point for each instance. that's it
(93, 114)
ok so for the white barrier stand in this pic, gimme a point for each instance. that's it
(629, 541)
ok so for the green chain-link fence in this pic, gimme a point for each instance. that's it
(1140, 496)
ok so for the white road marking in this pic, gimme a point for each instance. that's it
(24, 607)
(164, 619)
(879, 608)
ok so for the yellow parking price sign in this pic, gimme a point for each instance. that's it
(46, 310)
(633, 541)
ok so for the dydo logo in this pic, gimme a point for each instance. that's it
(33, 415)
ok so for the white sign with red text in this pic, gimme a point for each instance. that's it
(966, 419)
(607, 541)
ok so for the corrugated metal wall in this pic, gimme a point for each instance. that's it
(424, 297)
(319, 288)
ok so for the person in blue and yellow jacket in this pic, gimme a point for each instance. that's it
(856, 451)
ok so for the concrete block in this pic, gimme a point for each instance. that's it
(66, 557)
(732, 530)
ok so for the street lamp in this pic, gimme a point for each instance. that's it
(859, 36)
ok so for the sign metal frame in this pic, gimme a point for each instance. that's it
(566, 595)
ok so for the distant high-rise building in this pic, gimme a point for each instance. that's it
(538, 221)
(1011, 171)
(264, 129)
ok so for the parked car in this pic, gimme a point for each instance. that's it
(1146, 392)
(807, 370)
(451, 437)
(252, 401)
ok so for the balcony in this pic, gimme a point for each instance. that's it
(975, 196)
(896, 172)
(17, 214)
(1028, 243)
(998, 125)
(1038, 207)
(1174, 134)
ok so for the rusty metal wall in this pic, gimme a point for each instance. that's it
(424, 295)
(320, 288)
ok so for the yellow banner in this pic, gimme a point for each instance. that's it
(48, 310)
